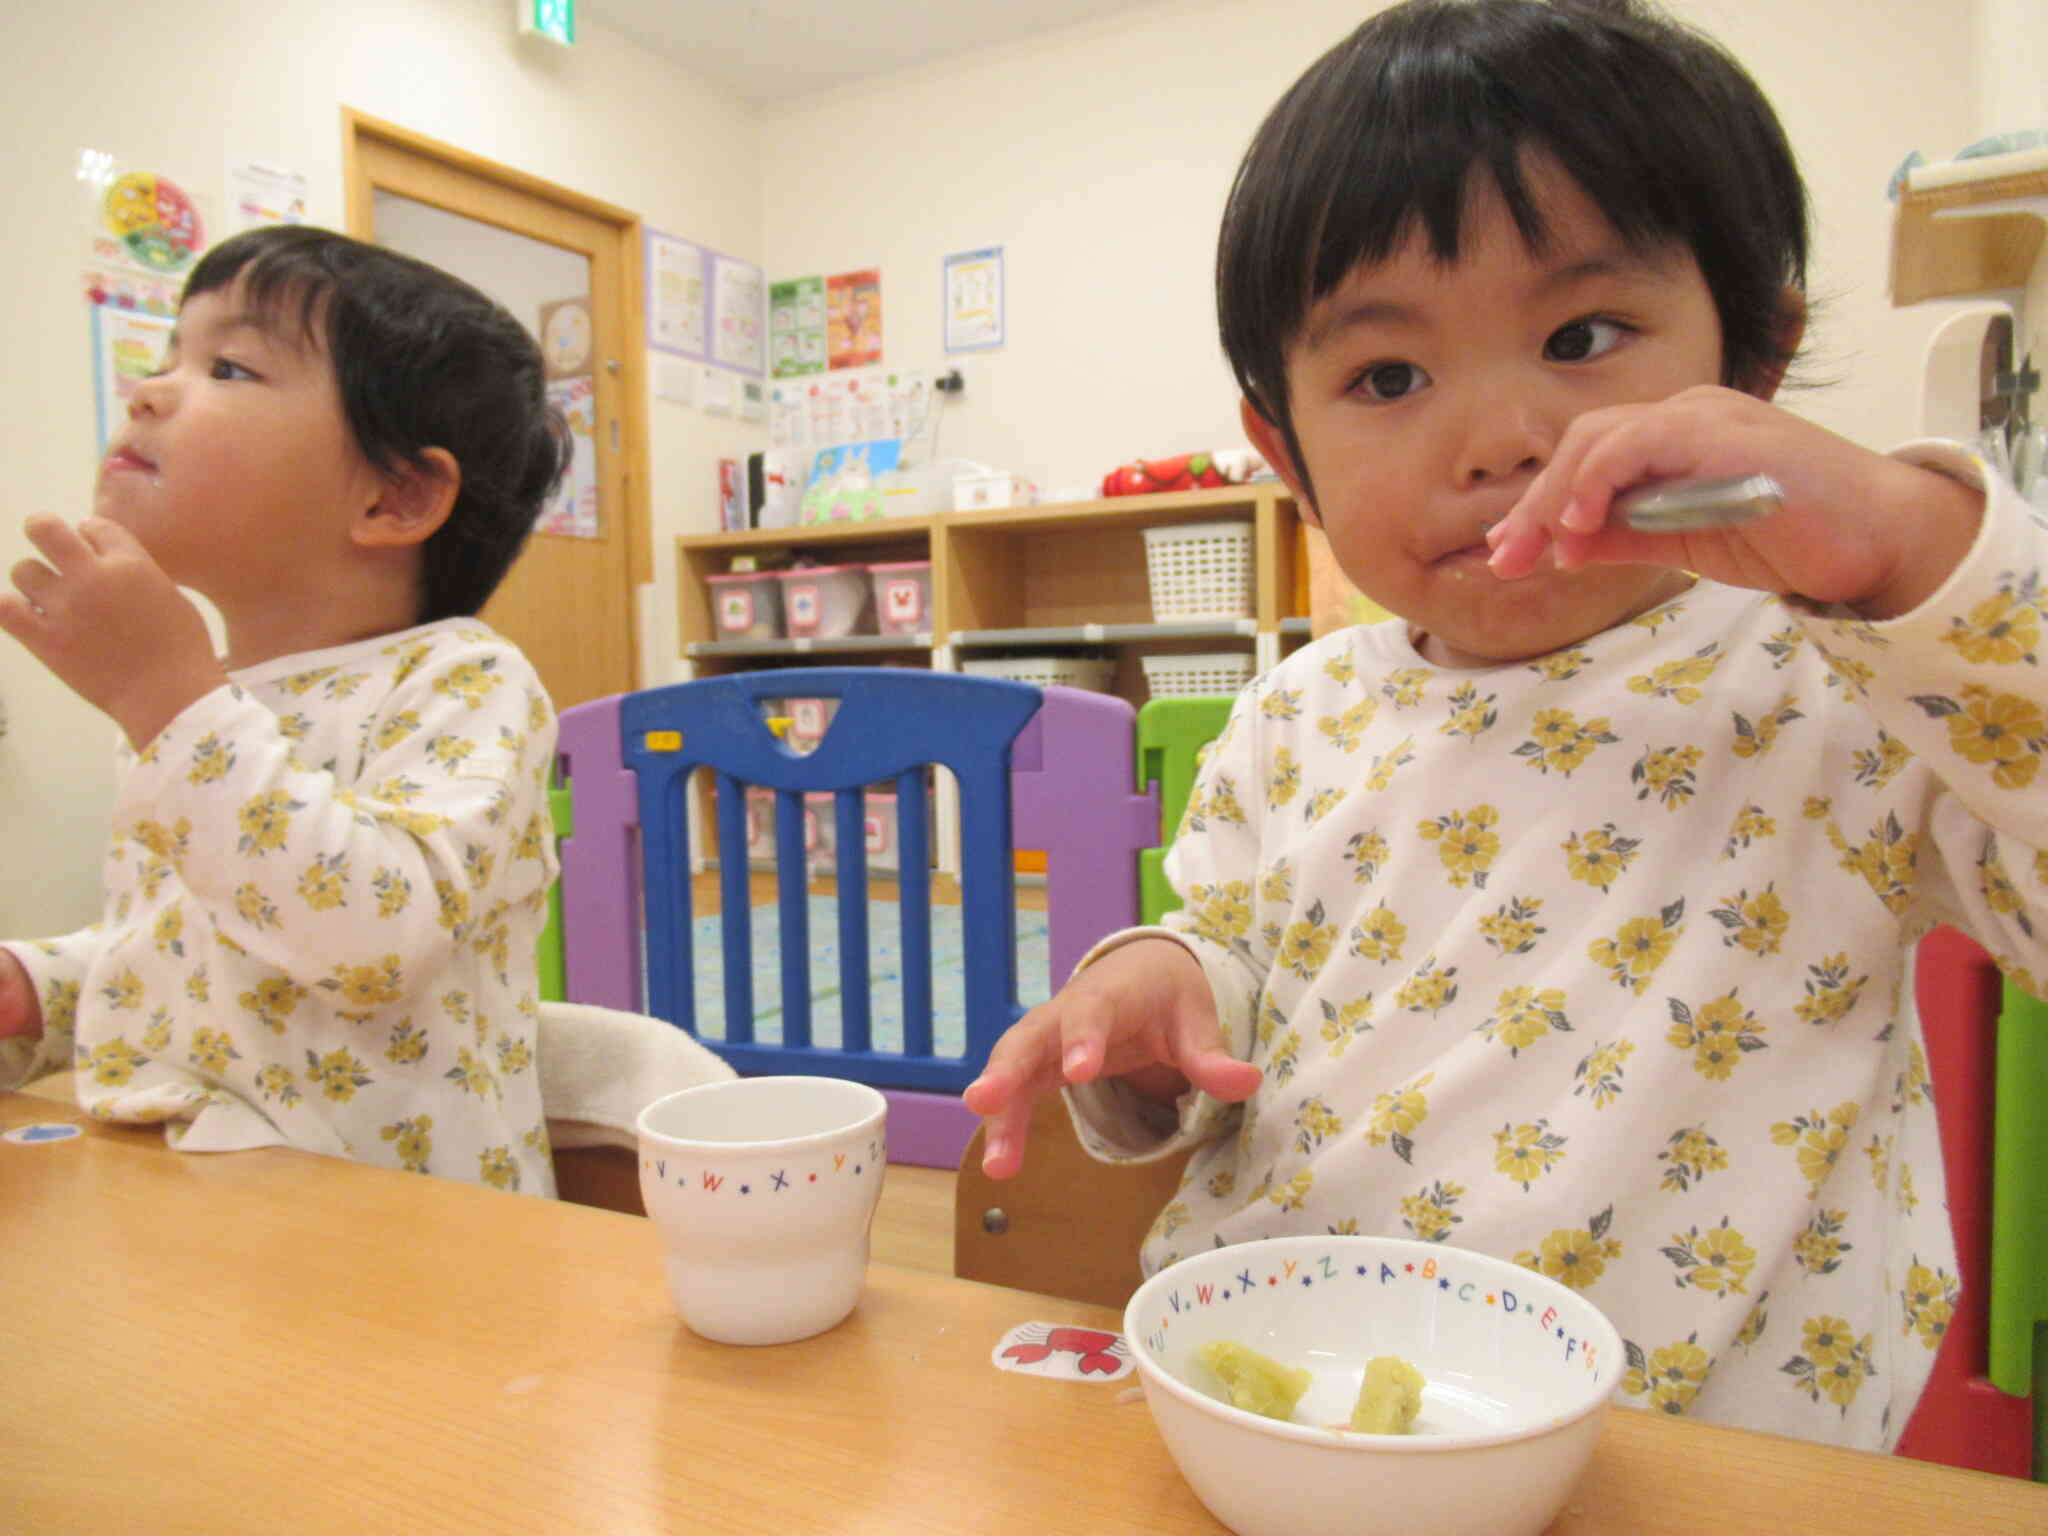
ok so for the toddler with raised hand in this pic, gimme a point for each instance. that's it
(330, 852)
(1569, 915)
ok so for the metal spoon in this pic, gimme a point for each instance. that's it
(1681, 506)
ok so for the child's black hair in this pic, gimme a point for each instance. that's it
(1663, 130)
(422, 360)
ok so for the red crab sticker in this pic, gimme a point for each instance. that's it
(1064, 1353)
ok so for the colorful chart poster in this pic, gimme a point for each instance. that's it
(260, 194)
(853, 319)
(796, 326)
(738, 300)
(572, 510)
(678, 296)
(149, 222)
(143, 233)
(127, 346)
(974, 300)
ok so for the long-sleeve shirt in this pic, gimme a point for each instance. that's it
(323, 891)
(1601, 963)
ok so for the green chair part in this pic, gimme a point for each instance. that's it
(1171, 734)
(549, 957)
(2019, 1226)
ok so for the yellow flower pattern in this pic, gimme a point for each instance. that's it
(280, 952)
(1576, 1256)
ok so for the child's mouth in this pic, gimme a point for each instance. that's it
(127, 461)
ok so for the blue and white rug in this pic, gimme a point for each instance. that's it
(885, 964)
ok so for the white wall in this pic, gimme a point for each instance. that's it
(2012, 54)
(1099, 159)
(198, 81)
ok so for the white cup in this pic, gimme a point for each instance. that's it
(763, 1189)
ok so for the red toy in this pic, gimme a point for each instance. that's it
(1182, 472)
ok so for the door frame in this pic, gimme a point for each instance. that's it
(634, 511)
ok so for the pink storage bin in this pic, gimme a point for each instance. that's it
(903, 596)
(746, 605)
(808, 719)
(826, 601)
(878, 830)
(760, 825)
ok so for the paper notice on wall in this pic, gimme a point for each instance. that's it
(127, 346)
(717, 391)
(974, 300)
(261, 194)
(143, 232)
(678, 296)
(853, 319)
(738, 315)
(572, 511)
(675, 379)
(796, 326)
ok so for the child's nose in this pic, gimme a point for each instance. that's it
(151, 396)
(1502, 442)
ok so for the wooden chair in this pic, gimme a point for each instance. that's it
(1067, 1225)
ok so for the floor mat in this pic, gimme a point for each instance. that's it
(885, 961)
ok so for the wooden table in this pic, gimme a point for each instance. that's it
(265, 1341)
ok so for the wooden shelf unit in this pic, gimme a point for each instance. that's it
(1982, 228)
(1937, 257)
(1072, 573)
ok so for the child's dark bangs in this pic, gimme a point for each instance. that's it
(1434, 121)
(285, 290)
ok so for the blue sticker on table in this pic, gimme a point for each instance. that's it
(32, 1135)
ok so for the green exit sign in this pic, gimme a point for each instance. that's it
(554, 20)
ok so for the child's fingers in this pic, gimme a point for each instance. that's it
(56, 540)
(17, 618)
(1221, 1075)
(35, 582)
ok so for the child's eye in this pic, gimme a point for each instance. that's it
(228, 368)
(1583, 340)
(1391, 381)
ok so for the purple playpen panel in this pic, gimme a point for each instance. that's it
(1071, 773)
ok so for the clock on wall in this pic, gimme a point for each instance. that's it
(567, 338)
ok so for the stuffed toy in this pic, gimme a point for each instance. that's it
(1183, 472)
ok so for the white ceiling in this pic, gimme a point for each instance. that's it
(771, 51)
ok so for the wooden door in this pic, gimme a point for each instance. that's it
(569, 600)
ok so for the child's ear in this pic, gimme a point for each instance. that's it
(1272, 446)
(414, 502)
(1791, 327)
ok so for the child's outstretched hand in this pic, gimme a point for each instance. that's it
(1858, 528)
(1142, 1012)
(103, 616)
(20, 1012)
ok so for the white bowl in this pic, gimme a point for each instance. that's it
(1518, 1369)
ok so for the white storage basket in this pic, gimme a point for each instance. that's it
(1224, 672)
(1200, 571)
(1095, 673)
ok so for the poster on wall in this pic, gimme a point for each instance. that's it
(127, 347)
(143, 233)
(260, 194)
(572, 511)
(678, 296)
(974, 300)
(738, 295)
(568, 354)
(796, 326)
(853, 319)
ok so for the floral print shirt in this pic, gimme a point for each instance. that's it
(1601, 963)
(323, 892)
